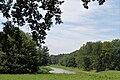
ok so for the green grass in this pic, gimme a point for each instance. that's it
(81, 75)
(44, 70)
(59, 77)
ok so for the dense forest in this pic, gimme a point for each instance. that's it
(99, 56)
(19, 53)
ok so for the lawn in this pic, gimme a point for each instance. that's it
(61, 76)
(81, 75)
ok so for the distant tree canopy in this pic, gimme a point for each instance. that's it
(99, 56)
(38, 14)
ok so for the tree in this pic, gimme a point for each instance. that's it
(107, 53)
(68, 61)
(44, 55)
(115, 64)
(86, 63)
(55, 59)
(84, 56)
(18, 52)
(85, 2)
(99, 56)
(38, 14)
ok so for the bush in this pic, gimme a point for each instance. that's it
(44, 70)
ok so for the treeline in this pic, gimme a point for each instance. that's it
(19, 53)
(99, 56)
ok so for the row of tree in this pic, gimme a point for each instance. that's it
(97, 56)
(19, 53)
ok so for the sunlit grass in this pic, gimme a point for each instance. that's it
(81, 75)
(60, 77)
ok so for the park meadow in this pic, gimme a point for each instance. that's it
(80, 75)
(84, 42)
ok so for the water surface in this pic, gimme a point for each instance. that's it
(58, 70)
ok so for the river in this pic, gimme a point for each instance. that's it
(58, 70)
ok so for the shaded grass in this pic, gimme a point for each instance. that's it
(44, 70)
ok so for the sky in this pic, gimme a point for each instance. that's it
(80, 25)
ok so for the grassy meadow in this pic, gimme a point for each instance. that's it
(101, 76)
(80, 75)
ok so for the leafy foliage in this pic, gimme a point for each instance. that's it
(54, 59)
(101, 56)
(68, 60)
(38, 14)
(19, 53)
(85, 2)
(44, 70)
(44, 55)
(93, 56)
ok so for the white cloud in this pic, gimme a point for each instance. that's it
(81, 25)
(64, 39)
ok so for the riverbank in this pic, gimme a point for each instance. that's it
(78, 71)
